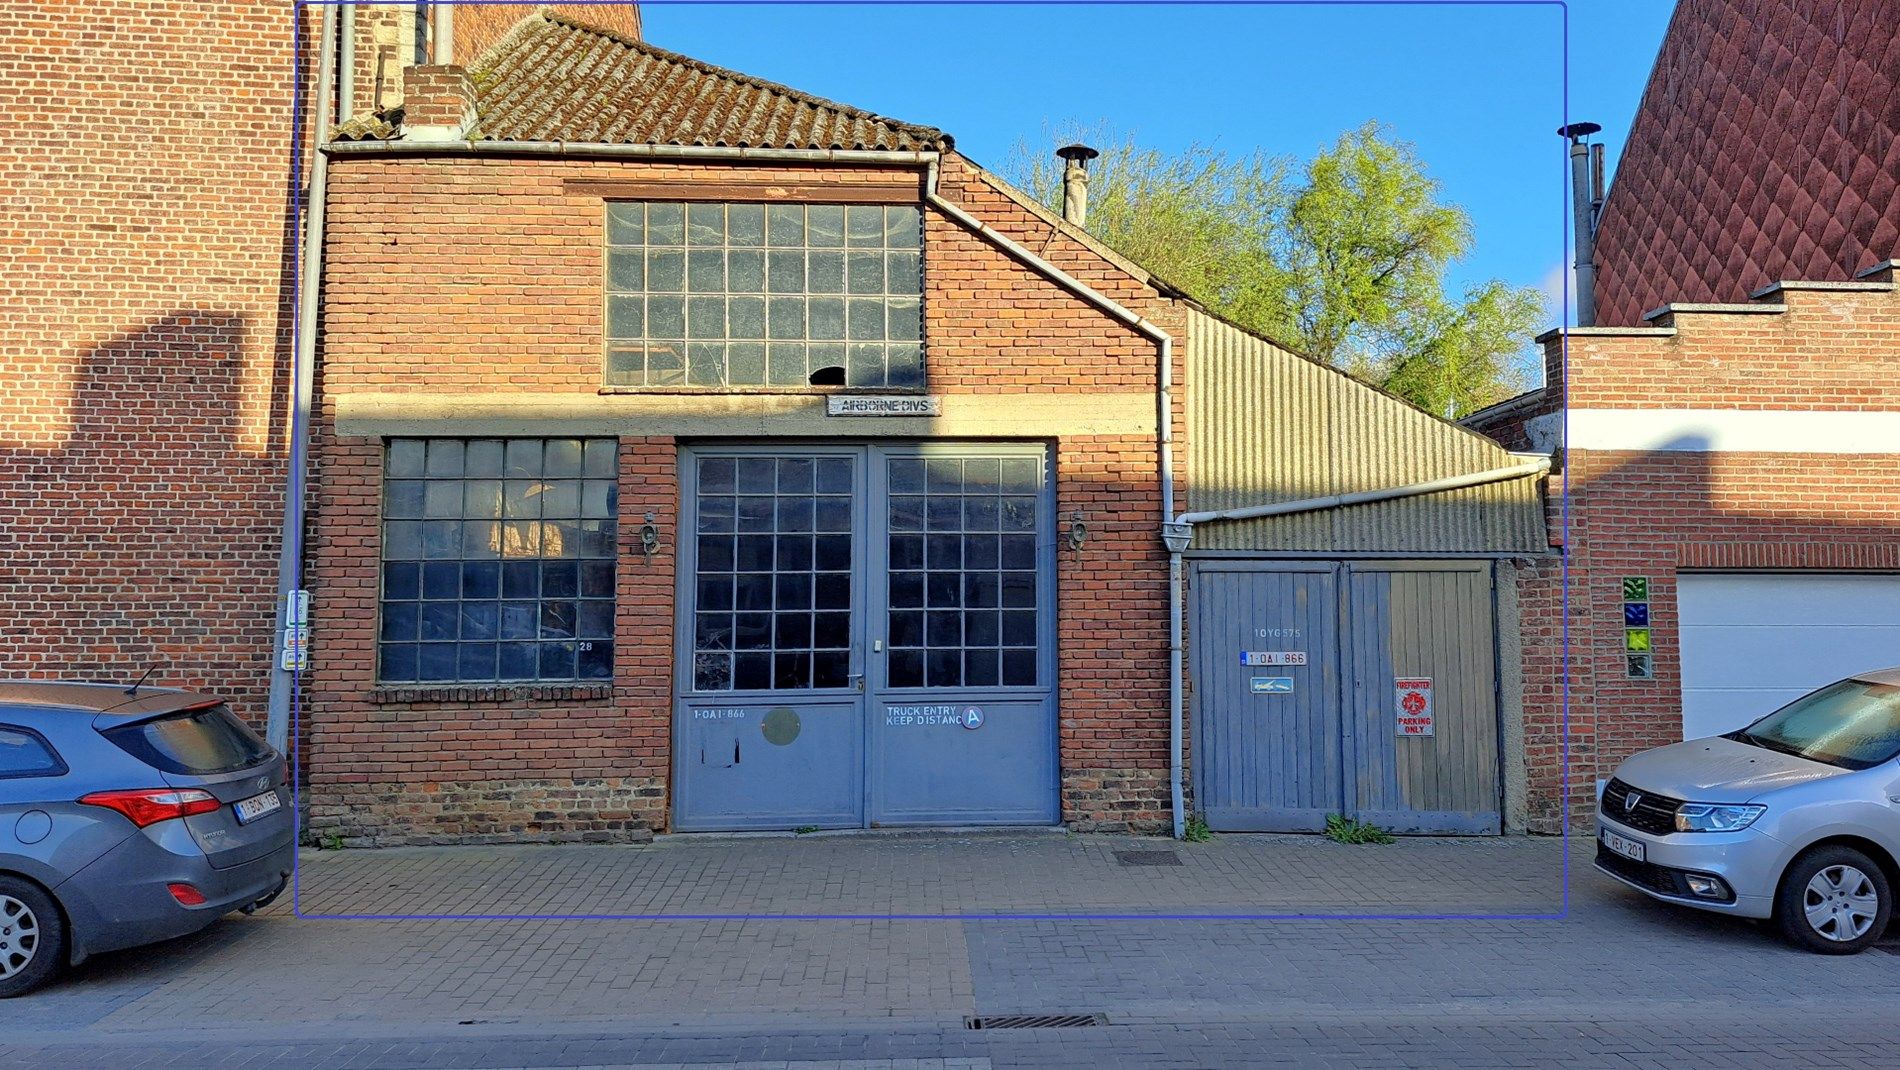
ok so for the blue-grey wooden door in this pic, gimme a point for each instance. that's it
(769, 704)
(1267, 725)
(1392, 718)
(866, 637)
(962, 719)
(1423, 697)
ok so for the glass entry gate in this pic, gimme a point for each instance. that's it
(866, 637)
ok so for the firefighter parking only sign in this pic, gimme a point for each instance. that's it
(1414, 697)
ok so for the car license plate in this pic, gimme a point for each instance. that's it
(1622, 845)
(249, 810)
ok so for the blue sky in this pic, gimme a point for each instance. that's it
(1477, 87)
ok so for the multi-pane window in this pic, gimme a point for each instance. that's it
(498, 560)
(773, 573)
(791, 295)
(963, 593)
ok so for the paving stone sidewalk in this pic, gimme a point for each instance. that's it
(943, 874)
(1613, 980)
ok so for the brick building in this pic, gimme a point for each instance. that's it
(691, 452)
(144, 340)
(145, 346)
(1728, 442)
(695, 453)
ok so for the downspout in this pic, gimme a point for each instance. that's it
(1164, 445)
(346, 63)
(442, 34)
(283, 682)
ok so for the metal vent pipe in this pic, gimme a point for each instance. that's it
(1583, 201)
(1075, 182)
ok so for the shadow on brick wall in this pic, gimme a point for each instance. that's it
(150, 535)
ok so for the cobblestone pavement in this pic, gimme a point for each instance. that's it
(1616, 981)
(988, 873)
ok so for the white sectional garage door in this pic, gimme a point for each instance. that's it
(1753, 641)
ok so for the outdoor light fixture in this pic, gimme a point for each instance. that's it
(1078, 532)
(649, 536)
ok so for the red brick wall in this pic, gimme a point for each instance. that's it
(478, 26)
(144, 339)
(475, 276)
(1649, 513)
(1765, 148)
(429, 763)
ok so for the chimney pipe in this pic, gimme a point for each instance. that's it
(1584, 200)
(442, 34)
(1075, 182)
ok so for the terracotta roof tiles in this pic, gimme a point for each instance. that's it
(555, 79)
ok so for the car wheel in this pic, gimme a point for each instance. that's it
(1833, 901)
(32, 937)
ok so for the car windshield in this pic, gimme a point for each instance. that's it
(1854, 724)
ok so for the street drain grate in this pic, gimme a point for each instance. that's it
(1034, 1021)
(1147, 858)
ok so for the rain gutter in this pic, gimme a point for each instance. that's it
(599, 150)
(1534, 467)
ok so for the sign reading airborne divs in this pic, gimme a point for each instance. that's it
(1413, 695)
(884, 405)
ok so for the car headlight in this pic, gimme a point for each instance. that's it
(1715, 817)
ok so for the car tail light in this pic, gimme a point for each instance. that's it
(146, 806)
(186, 895)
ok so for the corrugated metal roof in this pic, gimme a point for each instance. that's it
(1266, 425)
(554, 79)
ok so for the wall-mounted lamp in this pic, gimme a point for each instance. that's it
(650, 536)
(1078, 532)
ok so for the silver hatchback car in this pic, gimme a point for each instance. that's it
(1795, 817)
(128, 816)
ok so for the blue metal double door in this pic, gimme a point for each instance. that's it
(865, 637)
(1361, 688)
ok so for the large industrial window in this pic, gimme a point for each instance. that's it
(787, 295)
(773, 573)
(498, 560)
(963, 588)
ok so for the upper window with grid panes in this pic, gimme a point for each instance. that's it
(764, 295)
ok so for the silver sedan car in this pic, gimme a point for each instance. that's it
(1795, 817)
(128, 816)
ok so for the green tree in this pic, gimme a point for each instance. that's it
(1343, 258)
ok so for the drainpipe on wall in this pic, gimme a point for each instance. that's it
(283, 682)
(346, 63)
(1164, 447)
(442, 35)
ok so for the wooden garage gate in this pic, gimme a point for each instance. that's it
(1363, 688)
